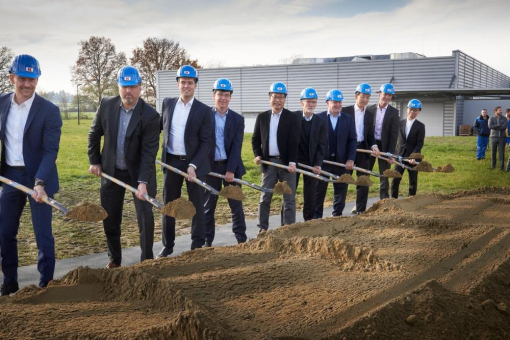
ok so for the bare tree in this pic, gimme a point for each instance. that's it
(158, 54)
(6, 56)
(290, 59)
(48, 95)
(96, 68)
(64, 99)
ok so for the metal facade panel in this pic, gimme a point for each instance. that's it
(206, 79)
(448, 118)
(256, 81)
(475, 74)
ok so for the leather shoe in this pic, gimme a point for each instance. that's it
(354, 211)
(9, 289)
(208, 244)
(261, 231)
(164, 253)
(112, 265)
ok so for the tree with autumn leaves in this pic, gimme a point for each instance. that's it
(98, 63)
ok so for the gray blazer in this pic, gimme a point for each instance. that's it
(498, 126)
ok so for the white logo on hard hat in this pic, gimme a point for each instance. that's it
(279, 88)
(127, 78)
(29, 69)
(186, 72)
(223, 85)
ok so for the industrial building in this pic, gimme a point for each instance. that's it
(453, 89)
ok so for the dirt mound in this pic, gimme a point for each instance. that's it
(282, 188)
(180, 208)
(416, 155)
(87, 212)
(346, 178)
(232, 191)
(445, 168)
(424, 166)
(364, 181)
(390, 173)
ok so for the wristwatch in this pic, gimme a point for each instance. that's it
(40, 182)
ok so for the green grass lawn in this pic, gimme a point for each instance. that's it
(76, 185)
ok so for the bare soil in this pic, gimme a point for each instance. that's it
(426, 267)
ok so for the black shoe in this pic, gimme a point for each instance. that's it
(261, 231)
(9, 289)
(165, 252)
(239, 241)
(208, 244)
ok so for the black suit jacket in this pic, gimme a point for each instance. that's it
(368, 123)
(233, 141)
(41, 139)
(346, 141)
(140, 146)
(414, 141)
(318, 141)
(390, 126)
(287, 136)
(198, 133)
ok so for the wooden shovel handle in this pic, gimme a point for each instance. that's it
(149, 199)
(185, 175)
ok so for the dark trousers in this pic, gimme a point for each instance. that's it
(498, 144)
(236, 208)
(413, 181)
(362, 161)
(384, 185)
(112, 200)
(172, 184)
(309, 195)
(339, 192)
(12, 202)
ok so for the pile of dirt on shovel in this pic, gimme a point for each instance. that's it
(424, 166)
(282, 188)
(180, 208)
(390, 173)
(232, 191)
(87, 212)
(346, 178)
(425, 267)
(364, 180)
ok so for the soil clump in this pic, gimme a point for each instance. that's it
(87, 212)
(448, 168)
(364, 181)
(346, 178)
(180, 208)
(424, 166)
(233, 192)
(390, 173)
(281, 188)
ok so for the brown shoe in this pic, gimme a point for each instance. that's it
(112, 265)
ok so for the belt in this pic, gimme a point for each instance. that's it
(179, 157)
(275, 157)
(19, 168)
(221, 161)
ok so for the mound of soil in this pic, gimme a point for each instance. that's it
(180, 208)
(425, 267)
(87, 212)
(390, 173)
(445, 168)
(416, 155)
(424, 166)
(346, 178)
(232, 191)
(364, 181)
(282, 188)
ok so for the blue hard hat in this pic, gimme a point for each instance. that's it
(278, 88)
(414, 104)
(26, 66)
(309, 93)
(334, 95)
(128, 76)
(223, 84)
(364, 88)
(387, 88)
(186, 71)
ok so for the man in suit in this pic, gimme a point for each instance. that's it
(341, 148)
(226, 159)
(365, 135)
(313, 146)
(498, 125)
(385, 133)
(276, 139)
(187, 126)
(410, 140)
(131, 136)
(30, 132)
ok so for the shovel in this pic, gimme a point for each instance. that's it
(163, 209)
(240, 181)
(196, 180)
(76, 213)
(385, 158)
(335, 177)
(307, 173)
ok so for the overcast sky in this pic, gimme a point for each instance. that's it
(252, 32)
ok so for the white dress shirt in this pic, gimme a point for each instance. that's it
(176, 144)
(409, 125)
(14, 130)
(273, 132)
(360, 122)
(379, 118)
(333, 119)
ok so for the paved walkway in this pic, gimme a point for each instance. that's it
(224, 237)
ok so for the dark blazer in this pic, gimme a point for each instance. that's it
(368, 122)
(390, 126)
(287, 137)
(141, 143)
(41, 140)
(233, 135)
(346, 142)
(198, 134)
(414, 141)
(318, 142)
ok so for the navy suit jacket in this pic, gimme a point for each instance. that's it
(287, 137)
(41, 140)
(198, 134)
(140, 146)
(346, 141)
(390, 126)
(368, 124)
(233, 135)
